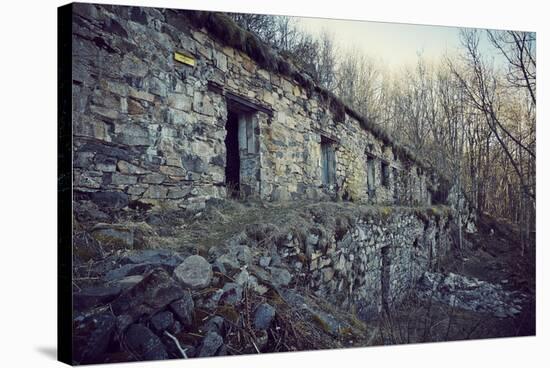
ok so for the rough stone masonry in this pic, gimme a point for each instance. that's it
(234, 120)
(173, 108)
(176, 109)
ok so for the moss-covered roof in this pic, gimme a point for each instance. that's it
(225, 30)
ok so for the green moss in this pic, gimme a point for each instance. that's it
(386, 212)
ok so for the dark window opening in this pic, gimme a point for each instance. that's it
(385, 174)
(370, 175)
(233, 161)
(328, 162)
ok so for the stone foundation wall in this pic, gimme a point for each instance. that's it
(374, 260)
(150, 129)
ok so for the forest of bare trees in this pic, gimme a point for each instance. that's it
(472, 117)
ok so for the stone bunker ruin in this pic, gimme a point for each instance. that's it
(175, 107)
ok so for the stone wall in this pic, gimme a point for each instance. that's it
(150, 129)
(373, 260)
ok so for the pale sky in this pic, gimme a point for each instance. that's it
(394, 44)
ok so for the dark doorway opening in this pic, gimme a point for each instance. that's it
(233, 161)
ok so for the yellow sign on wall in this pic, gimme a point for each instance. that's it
(183, 58)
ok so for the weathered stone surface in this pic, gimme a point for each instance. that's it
(471, 294)
(228, 261)
(184, 309)
(91, 297)
(264, 261)
(121, 179)
(163, 124)
(162, 321)
(195, 272)
(263, 316)
(210, 344)
(138, 262)
(113, 200)
(155, 256)
(113, 235)
(145, 343)
(156, 291)
(128, 282)
(154, 178)
(232, 293)
(215, 324)
(92, 336)
(280, 276)
(128, 168)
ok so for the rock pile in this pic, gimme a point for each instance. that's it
(147, 300)
(471, 294)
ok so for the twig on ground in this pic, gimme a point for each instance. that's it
(182, 351)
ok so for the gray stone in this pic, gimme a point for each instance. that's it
(128, 270)
(128, 281)
(228, 261)
(211, 302)
(194, 272)
(114, 200)
(89, 211)
(162, 321)
(163, 257)
(91, 297)
(92, 335)
(312, 239)
(264, 261)
(156, 192)
(242, 278)
(263, 316)
(232, 293)
(153, 178)
(184, 309)
(327, 321)
(215, 324)
(153, 293)
(280, 276)
(123, 322)
(121, 179)
(134, 135)
(210, 344)
(328, 274)
(128, 168)
(145, 343)
(113, 235)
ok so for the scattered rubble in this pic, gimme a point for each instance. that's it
(471, 294)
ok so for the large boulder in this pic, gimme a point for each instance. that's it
(145, 343)
(92, 335)
(138, 262)
(184, 309)
(153, 293)
(93, 296)
(195, 272)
